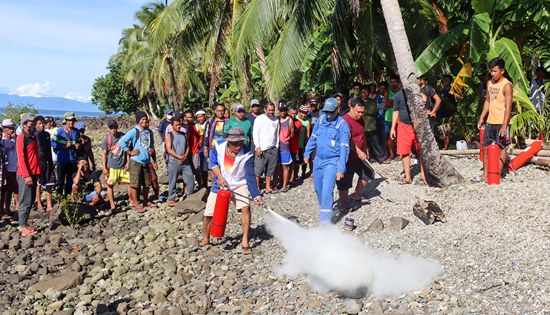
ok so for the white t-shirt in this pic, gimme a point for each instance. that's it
(52, 132)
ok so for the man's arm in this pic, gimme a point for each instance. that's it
(344, 135)
(168, 147)
(387, 102)
(256, 133)
(508, 97)
(91, 154)
(485, 110)
(311, 144)
(436, 105)
(251, 180)
(104, 161)
(394, 121)
(123, 142)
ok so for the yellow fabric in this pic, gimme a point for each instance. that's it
(497, 101)
(118, 176)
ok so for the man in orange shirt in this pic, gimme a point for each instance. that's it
(497, 108)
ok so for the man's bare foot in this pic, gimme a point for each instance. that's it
(247, 250)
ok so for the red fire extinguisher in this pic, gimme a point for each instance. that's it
(524, 156)
(481, 132)
(219, 219)
(493, 164)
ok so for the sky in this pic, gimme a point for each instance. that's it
(59, 47)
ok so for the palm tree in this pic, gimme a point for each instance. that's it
(439, 172)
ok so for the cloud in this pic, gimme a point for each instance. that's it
(36, 89)
(79, 98)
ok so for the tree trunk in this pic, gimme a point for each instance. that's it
(263, 65)
(174, 89)
(151, 110)
(439, 171)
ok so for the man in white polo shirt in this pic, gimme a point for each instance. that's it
(266, 141)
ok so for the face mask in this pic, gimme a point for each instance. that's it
(168, 117)
(32, 129)
(330, 116)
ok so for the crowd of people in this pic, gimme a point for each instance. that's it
(268, 150)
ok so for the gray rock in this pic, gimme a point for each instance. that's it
(376, 225)
(158, 298)
(352, 306)
(122, 308)
(196, 218)
(63, 282)
(190, 206)
(398, 223)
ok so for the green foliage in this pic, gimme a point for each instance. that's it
(69, 210)
(14, 111)
(109, 93)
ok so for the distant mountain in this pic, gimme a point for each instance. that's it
(50, 103)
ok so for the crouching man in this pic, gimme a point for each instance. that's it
(86, 185)
(233, 167)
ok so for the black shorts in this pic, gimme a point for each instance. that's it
(47, 178)
(492, 135)
(298, 158)
(352, 168)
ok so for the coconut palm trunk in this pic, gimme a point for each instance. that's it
(438, 171)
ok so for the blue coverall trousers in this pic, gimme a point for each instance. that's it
(324, 179)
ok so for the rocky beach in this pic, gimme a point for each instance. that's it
(493, 249)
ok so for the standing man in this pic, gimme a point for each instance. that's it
(10, 176)
(266, 142)
(214, 131)
(497, 108)
(86, 144)
(402, 130)
(28, 171)
(239, 120)
(303, 138)
(141, 150)
(286, 132)
(447, 109)
(357, 156)
(431, 99)
(66, 141)
(179, 163)
(165, 122)
(51, 128)
(254, 111)
(113, 162)
(330, 138)
(202, 128)
(368, 97)
(388, 104)
(194, 136)
(233, 167)
(47, 177)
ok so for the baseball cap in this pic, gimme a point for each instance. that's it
(330, 104)
(26, 117)
(48, 119)
(239, 107)
(69, 116)
(112, 123)
(235, 135)
(255, 102)
(313, 101)
(168, 111)
(283, 106)
(80, 125)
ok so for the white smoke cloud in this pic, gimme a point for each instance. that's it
(334, 261)
(36, 89)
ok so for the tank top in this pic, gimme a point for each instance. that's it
(303, 133)
(284, 134)
(497, 101)
(389, 111)
(179, 143)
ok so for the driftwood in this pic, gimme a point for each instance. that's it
(428, 211)
(541, 153)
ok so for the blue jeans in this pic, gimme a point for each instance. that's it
(324, 179)
(27, 197)
(174, 171)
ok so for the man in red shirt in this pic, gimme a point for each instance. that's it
(193, 141)
(28, 171)
(355, 164)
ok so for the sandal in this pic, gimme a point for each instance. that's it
(284, 190)
(139, 209)
(246, 250)
(405, 182)
(151, 205)
(27, 231)
(362, 201)
(6, 217)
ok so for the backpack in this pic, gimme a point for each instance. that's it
(115, 150)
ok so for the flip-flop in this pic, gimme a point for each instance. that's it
(283, 190)
(27, 232)
(246, 250)
(405, 182)
(139, 209)
(6, 217)
(363, 201)
(151, 205)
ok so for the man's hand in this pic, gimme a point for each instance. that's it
(306, 160)
(105, 171)
(77, 146)
(258, 152)
(502, 132)
(126, 166)
(205, 152)
(339, 176)
(134, 152)
(28, 181)
(259, 201)
(480, 124)
(183, 159)
(222, 182)
(151, 151)
(392, 134)
(155, 166)
(362, 155)
(68, 144)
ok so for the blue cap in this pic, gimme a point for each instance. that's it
(330, 105)
(168, 111)
(80, 125)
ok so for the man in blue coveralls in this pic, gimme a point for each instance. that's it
(330, 138)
